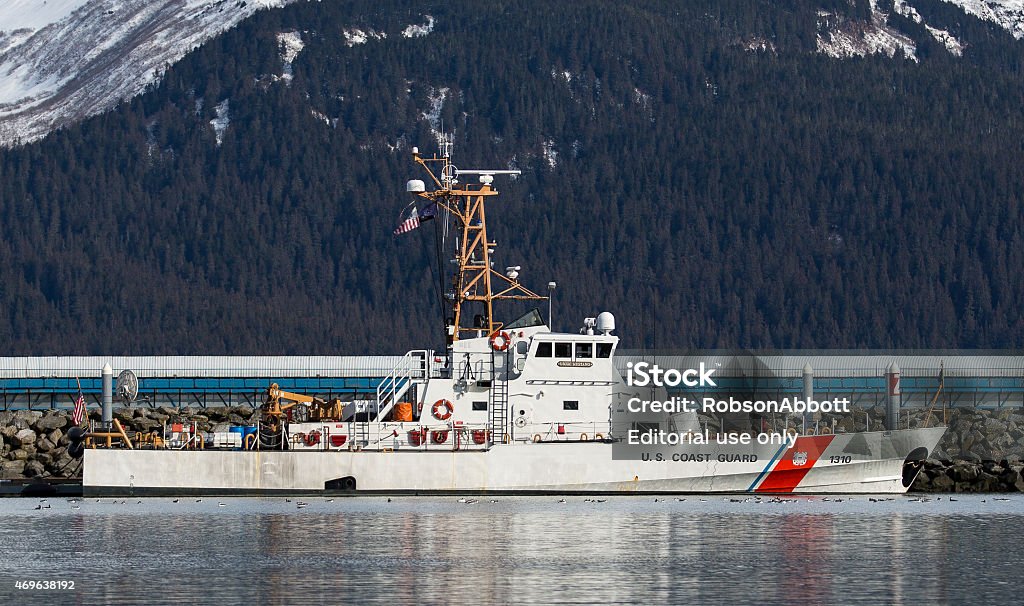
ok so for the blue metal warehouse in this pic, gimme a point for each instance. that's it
(983, 379)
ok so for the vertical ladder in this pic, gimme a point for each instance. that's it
(497, 405)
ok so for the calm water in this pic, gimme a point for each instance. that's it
(517, 550)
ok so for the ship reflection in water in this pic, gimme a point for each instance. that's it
(530, 550)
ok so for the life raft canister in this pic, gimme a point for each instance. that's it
(442, 410)
(312, 438)
(500, 341)
(417, 436)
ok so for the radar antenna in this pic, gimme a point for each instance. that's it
(474, 281)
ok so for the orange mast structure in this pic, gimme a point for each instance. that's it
(474, 279)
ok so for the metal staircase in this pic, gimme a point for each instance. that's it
(411, 369)
(497, 405)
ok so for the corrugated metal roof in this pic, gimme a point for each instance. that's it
(199, 366)
(824, 364)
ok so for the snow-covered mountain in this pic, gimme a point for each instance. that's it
(1007, 13)
(839, 37)
(64, 60)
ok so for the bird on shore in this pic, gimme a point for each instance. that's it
(175, 500)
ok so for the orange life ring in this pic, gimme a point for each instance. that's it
(448, 407)
(500, 341)
(440, 436)
(312, 438)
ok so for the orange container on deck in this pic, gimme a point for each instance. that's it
(403, 412)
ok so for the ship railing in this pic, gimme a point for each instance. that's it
(568, 431)
(411, 368)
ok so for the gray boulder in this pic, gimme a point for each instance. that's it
(12, 469)
(52, 421)
(34, 468)
(55, 436)
(23, 437)
(964, 472)
(994, 428)
(45, 445)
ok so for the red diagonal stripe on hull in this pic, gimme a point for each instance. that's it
(786, 476)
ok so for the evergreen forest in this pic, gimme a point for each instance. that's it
(697, 168)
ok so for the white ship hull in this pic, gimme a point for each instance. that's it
(845, 463)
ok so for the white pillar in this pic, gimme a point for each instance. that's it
(108, 394)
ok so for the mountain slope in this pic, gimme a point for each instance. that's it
(700, 169)
(64, 60)
(70, 59)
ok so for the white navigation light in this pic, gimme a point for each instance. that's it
(512, 272)
(487, 179)
(605, 323)
(415, 186)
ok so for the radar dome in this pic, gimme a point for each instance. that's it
(605, 322)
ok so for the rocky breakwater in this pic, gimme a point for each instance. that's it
(982, 451)
(34, 444)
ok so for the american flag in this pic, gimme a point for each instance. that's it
(415, 218)
(78, 415)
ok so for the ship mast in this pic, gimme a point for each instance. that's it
(474, 279)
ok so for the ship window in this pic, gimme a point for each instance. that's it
(604, 350)
(479, 405)
(530, 318)
(544, 350)
(646, 428)
(584, 350)
(570, 405)
(563, 350)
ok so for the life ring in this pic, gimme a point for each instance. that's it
(500, 341)
(440, 436)
(598, 437)
(536, 438)
(583, 437)
(448, 407)
(312, 438)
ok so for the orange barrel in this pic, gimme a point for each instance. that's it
(403, 412)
